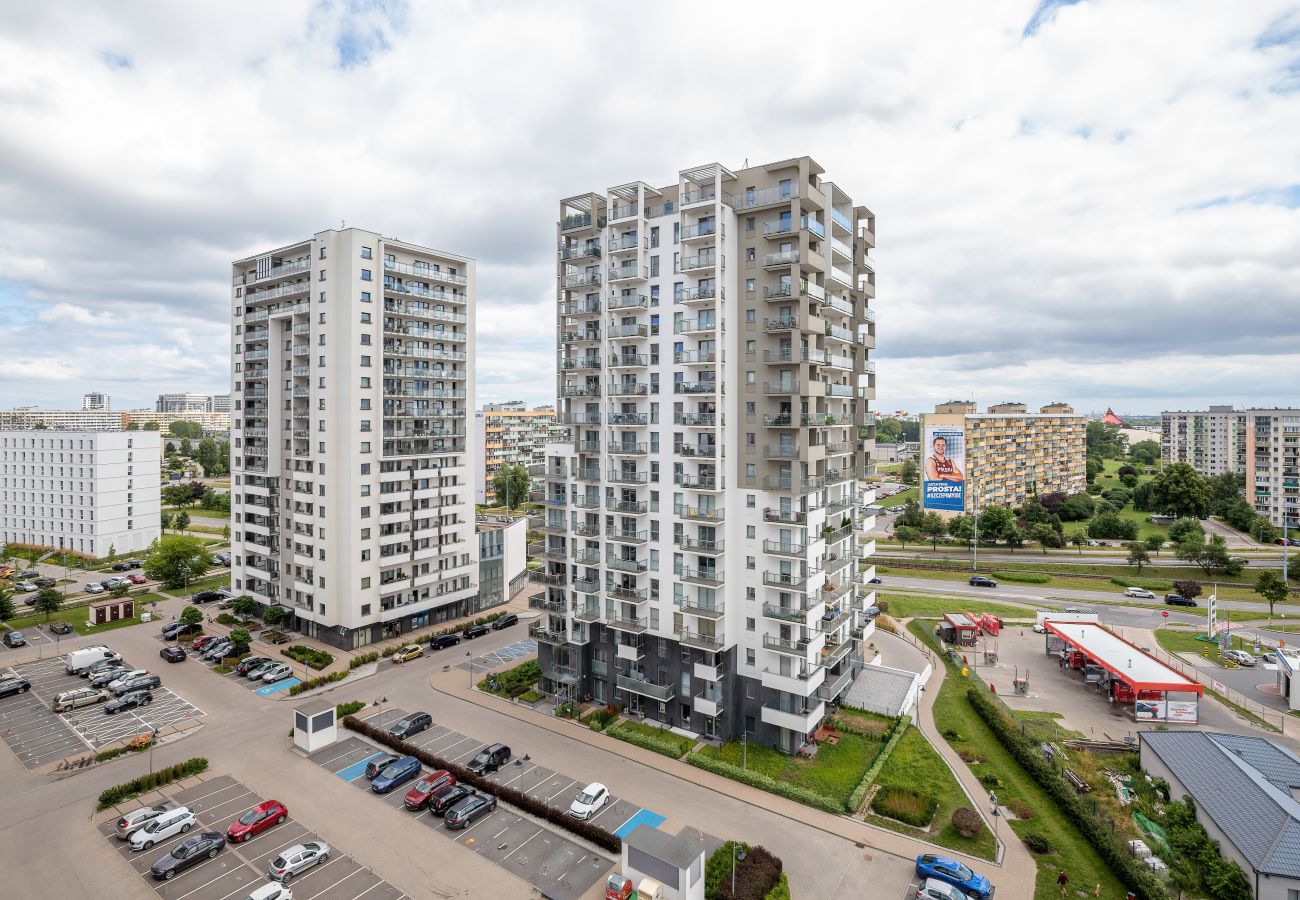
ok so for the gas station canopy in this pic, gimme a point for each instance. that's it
(1124, 661)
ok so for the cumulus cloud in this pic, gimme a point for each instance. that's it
(1094, 201)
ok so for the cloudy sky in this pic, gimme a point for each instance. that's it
(1092, 201)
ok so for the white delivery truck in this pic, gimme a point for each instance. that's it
(78, 661)
(1055, 615)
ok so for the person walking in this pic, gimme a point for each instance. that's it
(1062, 880)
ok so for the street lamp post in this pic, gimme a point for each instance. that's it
(469, 659)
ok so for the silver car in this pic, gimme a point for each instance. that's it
(297, 859)
(137, 819)
(1240, 657)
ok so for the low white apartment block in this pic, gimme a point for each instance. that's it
(91, 492)
(700, 540)
(352, 373)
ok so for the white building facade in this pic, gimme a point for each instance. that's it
(700, 539)
(96, 400)
(91, 492)
(352, 489)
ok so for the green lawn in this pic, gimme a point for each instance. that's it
(1180, 640)
(900, 499)
(966, 731)
(916, 765)
(657, 734)
(1046, 724)
(903, 605)
(834, 772)
(206, 584)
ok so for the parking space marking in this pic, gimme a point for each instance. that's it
(571, 783)
(521, 846)
(277, 687)
(357, 769)
(335, 884)
(642, 817)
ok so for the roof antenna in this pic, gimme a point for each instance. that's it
(343, 224)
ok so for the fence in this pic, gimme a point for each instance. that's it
(1273, 717)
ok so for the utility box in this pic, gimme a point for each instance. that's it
(314, 725)
(664, 866)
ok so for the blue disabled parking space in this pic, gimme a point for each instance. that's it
(356, 770)
(642, 817)
(277, 687)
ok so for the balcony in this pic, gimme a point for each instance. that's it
(626, 211)
(544, 635)
(586, 556)
(695, 357)
(583, 308)
(839, 390)
(801, 680)
(706, 672)
(695, 232)
(629, 477)
(632, 507)
(627, 332)
(781, 451)
(793, 485)
(706, 577)
(694, 326)
(628, 273)
(798, 648)
(785, 516)
(580, 251)
(696, 420)
(628, 624)
(801, 721)
(626, 594)
(629, 301)
(784, 323)
(702, 261)
(630, 419)
(830, 690)
(703, 386)
(562, 674)
(776, 260)
(586, 585)
(629, 389)
(700, 513)
(633, 650)
(699, 640)
(704, 611)
(580, 390)
(628, 361)
(785, 548)
(627, 537)
(587, 614)
(580, 280)
(580, 220)
(796, 614)
(789, 581)
(548, 551)
(695, 545)
(832, 653)
(590, 336)
(627, 242)
(619, 564)
(634, 685)
(545, 603)
(697, 482)
(706, 294)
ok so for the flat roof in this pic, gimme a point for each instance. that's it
(961, 620)
(1124, 660)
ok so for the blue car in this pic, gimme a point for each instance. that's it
(397, 773)
(946, 869)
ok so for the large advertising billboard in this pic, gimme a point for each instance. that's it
(943, 484)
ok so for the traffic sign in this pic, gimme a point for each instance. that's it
(1164, 613)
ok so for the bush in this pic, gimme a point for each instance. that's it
(227, 619)
(1022, 577)
(758, 876)
(668, 744)
(896, 802)
(531, 696)
(313, 683)
(990, 780)
(599, 719)
(513, 682)
(343, 710)
(764, 782)
(1037, 842)
(781, 891)
(540, 809)
(362, 659)
(308, 656)
(389, 651)
(898, 728)
(1020, 808)
(966, 822)
(134, 788)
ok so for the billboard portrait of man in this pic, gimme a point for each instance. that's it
(944, 485)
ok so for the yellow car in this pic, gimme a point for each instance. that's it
(407, 653)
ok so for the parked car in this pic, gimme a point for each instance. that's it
(159, 828)
(122, 566)
(982, 581)
(60, 627)
(489, 759)
(29, 575)
(107, 675)
(44, 582)
(396, 774)
(407, 653)
(200, 642)
(94, 587)
(1139, 592)
(503, 622)
(443, 641)
(175, 630)
(276, 672)
(25, 587)
(474, 631)
(249, 663)
(11, 686)
(379, 763)
(172, 654)
(266, 814)
(189, 852)
(136, 579)
(14, 639)
(208, 596)
(417, 797)
(932, 866)
(136, 819)
(271, 891)
(589, 801)
(144, 683)
(297, 859)
(1179, 600)
(256, 672)
(78, 697)
(115, 582)
(1240, 657)
(934, 889)
(123, 678)
(221, 559)
(469, 809)
(100, 660)
(412, 724)
(129, 700)
(215, 650)
(875, 580)
(447, 796)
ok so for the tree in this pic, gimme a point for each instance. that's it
(1076, 508)
(510, 485)
(911, 516)
(239, 640)
(1118, 496)
(6, 603)
(48, 601)
(150, 426)
(1092, 467)
(181, 495)
(165, 521)
(120, 591)
(1106, 441)
(889, 430)
(181, 520)
(244, 605)
(225, 532)
(186, 448)
(962, 528)
(996, 523)
(1271, 587)
(276, 614)
(1014, 537)
(1145, 453)
(132, 426)
(909, 473)
(1079, 539)
(1189, 589)
(1264, 531)
(1142, 497)
(177, 560)
(934, 527)
(1137, 555)
(208, 456)
(1044, 535)
(907, 534)
(191, 615)
(1179, 491)
(1183, 529)
(183, 429)
(1209, 555)
(1225, 490)
(1109, 525)
(1239, 514)
(1153, 543)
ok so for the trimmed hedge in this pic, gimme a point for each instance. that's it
(313, 683)
(308, 656)
(559, 818)
(670, 745)
(137, 786)
(1022, 577)
(763, 782)
(873, 772)
(362, 658)
(1146, 884)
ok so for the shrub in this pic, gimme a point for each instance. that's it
(1037, 841)
(990, 780)
(389, 651)
(598, 719)
(313, 683)
(764, 782)
(1023, 577)
(513, 682)
(758, 876)
(966, 822)
(227, 619)
(362, 659)
(898, 728)
(1020, 808)
(531, 696)
(905, 805)
(343, 710)
(308, 656)
(781, 891)
(882, 605)
(137, 786)
(540, 809)
(668, 744)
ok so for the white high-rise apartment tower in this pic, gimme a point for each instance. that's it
(701, 533)
(352, 373)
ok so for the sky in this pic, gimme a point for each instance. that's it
(1092, 201)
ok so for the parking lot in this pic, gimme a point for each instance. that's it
(498, 657)
(239, 868)
(37, 735)
(539, 855)
(261, 688)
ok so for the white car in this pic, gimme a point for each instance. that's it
(1139, 592)
(136, 819)
(125, 677)
(272, 890)
(94, 588)
(169, 824)
(277, 671)
(934, 889)
(1240, 657)
(298, 858)
(589, 801)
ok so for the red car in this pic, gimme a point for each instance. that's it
(205, 639)
(257, 820)
(136, 579)
(417, 798)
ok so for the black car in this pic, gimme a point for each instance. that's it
(123, 566)
(205, 845)
(128, 701)
(14, 639)
(14, 686)
(249, 663)
(143, 683)
(444, 798)
(44, 582)
(172, 654)
(379, 763)
(489, 759)
(60, 628)
(442, 641)
(1179, 600)
(982, 581)
(173, 630)
(207, 597)
(412, 724)
(505, 621)
(29, 575)
(463, 814)
(875, 580)
(474, 631)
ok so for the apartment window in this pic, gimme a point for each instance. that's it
(365, 318)
(751, 377)
(365, 583)
(365, 609)
(749, 659)
(322, 275)
(750, 472)
(749, 438)
(749, 593)
(654, 237)
(749, 624)
(677, 233)
(654, 267)
(320, 340)
(786, 188)
(322, 446)
(320, 297)
(750, 317)
(749, 254)
(365, 555)
(749, 532)
(749, 223)
(365, 514)
(365, 361)
(365, 275)
(749, 562)
(365, 532)
(749, 501)
(366, 253)
(365, 296)
(749, 285)
(365, 447)
(365, 424)
(365, 381)
(365, 490)
(322, 252)
(654, 623)
(365, 403)
(365, 340)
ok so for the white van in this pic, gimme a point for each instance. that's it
(79, 661)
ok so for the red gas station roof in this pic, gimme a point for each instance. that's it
(1127, 662)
